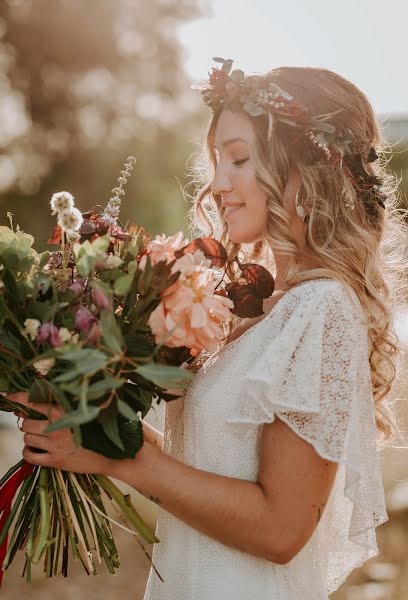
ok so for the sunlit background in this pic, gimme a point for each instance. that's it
(85, 84)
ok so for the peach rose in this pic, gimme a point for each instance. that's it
(190, 313)
(162, 248)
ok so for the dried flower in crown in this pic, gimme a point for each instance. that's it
(311, 137)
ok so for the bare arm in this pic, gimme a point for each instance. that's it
(152, 435)
(272, 518)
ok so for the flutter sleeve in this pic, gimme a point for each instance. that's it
(315, 376)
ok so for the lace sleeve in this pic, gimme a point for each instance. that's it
(310, 374)
(315, 376)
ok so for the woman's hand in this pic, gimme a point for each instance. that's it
(61, 451)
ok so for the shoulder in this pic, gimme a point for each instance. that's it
(325, 298)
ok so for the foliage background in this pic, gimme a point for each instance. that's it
(82, 86)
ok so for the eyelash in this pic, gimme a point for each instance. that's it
(238, 163)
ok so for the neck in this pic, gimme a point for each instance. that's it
(282, 266)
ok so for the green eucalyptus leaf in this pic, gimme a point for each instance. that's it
(85, 360)
(108, 383)
(123, 284)
(7, 237)
(111, 430)
(85, 264)
(138, 345)
(43, 311)
(42, 392)
(165, 376)
(11, 342)
(132, 267)
(111, 332)
(138, 398)
(127, 411)
(74, 418)
(43, 259)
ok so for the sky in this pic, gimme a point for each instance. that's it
(362, 40)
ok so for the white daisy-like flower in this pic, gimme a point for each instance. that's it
(70, 219)
(31, 326)
(61, 201)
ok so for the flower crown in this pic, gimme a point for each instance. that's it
(311, 138)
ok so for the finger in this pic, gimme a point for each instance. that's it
(37, 441)
(36, 458)
(34, 426)
(17, 397)
(49, 410)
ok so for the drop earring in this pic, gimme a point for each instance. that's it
(300, 209)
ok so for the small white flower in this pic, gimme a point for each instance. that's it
(64, 334)
(70, 219)
(44, 365)
(72, 236)
(61, 201)
(74, 338)
(114, 261)
(31, 326)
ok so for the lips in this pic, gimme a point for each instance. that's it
(231, 208)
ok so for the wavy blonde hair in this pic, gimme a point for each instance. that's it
(366, 248)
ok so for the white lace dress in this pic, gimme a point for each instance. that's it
(307, 362)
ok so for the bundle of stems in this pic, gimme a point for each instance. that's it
(56, 510)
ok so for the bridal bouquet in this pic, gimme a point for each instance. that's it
(102, 326)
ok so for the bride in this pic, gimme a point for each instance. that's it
(268, 476)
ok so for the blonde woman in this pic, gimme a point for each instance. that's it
(268, 480)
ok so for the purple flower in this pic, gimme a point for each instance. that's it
(77, 287)
(100, 299)
(95, 334)
(84, 319)
(49, 333)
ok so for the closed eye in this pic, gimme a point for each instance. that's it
(238, 163)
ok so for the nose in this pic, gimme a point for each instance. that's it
(222, 182)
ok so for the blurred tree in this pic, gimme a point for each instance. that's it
(82, 86)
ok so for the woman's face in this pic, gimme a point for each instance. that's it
(243, 200)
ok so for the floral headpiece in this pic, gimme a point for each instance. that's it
(311, 138)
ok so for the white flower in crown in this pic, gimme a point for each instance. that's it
(70, 219)
(61, 201)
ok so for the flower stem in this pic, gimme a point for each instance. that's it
(127, 507)
(42, 539)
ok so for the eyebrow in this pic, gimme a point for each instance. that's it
(232, 141)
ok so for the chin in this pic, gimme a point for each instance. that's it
(244, 236)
